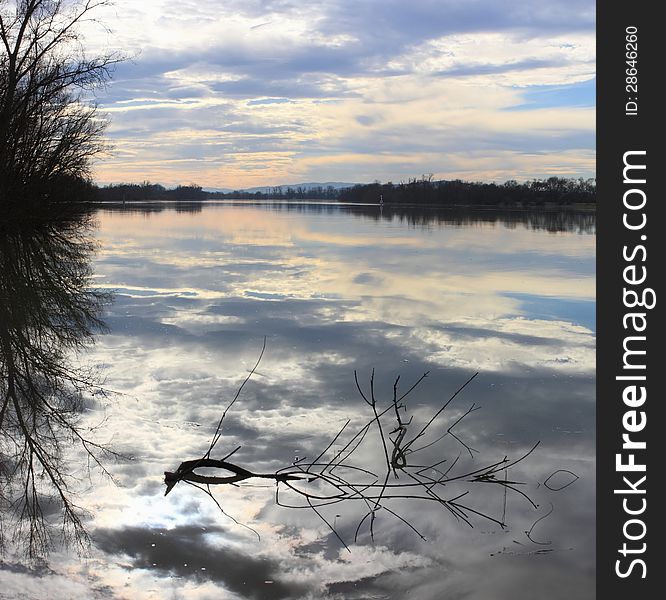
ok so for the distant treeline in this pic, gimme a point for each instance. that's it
(131, 192)
(424, 191)
(538, 192)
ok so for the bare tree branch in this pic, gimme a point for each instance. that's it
(323, 483)
(49, 132)
(47, 311)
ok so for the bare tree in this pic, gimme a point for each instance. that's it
(47, 311)
(49, 131)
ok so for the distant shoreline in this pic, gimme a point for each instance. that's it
(581, 207)
(553, 192)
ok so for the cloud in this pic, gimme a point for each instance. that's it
(189, 552)
(240, 95)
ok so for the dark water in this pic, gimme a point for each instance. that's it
(336, 290)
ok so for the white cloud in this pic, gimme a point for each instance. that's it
(408, 86)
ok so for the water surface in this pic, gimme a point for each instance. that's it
(336, 290)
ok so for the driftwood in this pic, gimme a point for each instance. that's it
(335, 476)
(185, 472)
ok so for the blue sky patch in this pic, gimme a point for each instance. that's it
(579, 312)
(551, 96)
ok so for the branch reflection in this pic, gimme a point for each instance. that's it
(48, 314)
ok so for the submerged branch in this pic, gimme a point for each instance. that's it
(320, 483)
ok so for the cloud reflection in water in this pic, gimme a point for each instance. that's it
(336, 291)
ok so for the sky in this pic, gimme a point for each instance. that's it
(237, 94)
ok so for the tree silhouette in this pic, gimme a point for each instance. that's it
(556, 191)
(49, 132)
(47, 312)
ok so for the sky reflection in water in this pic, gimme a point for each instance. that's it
(335, 291)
